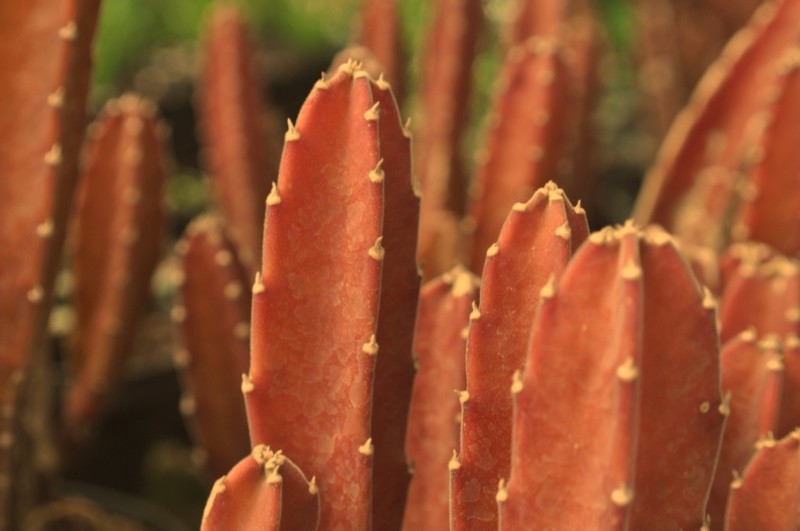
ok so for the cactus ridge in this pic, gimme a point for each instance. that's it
(445, 310)
(608, 371)
(239, 148)
(533, 249)
(691, 187)
(766, 495)
(118, 239)
(263, 491)
(213, 319)
(527, 123)
(336, 219)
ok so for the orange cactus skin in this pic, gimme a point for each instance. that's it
(241, 154)
(265, 491)
(768, 494)
(690, 187)
(433, 429)
(213, 319)
(118, 240)
(316, 323)
(535, 245)
(608, 467)
(752, 372)
(46, 75)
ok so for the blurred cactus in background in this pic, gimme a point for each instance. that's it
(420, 290)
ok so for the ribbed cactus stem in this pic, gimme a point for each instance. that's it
(752, 375)
(533, 249)
(213, 321)
(768, 207)
(119, 233)
(763, 293)
(440, 342)
(43, 104)
(590, 424)
(381, 32)
(264, 491)
(526, 144)
(336, 251)
(767, 496)
(691, 185)
(445, 89)
(240, 151)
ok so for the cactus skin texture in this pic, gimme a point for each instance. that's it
(691, 186)
(46, 75)
(240, 151)
(316, 324)
(752, 373)
(535, 244)
(214, 323)
(118, 240)
(526, 143)
(594, 446)
(264, 492)
(445, 309)
(767, 496)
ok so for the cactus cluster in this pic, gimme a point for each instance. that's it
(373, 335)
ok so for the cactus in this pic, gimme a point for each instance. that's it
(762, 292)
(241, 154)
(213, 314)
(766, 495)
(45, 82)
(445, 90)
(535, 244)
(528, 124)
(264, 491)
(752, 373)
(766, 213)
(590, 424)
(691, 187)
(381, 33)
(314, 350)
(446, 304)
(118, 239)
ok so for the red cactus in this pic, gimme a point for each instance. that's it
(761, 292)
(594, 445)
(752, 373)
(240, 151)
(446, 304)
(691, 187)
(381, 32)
(118, 239)
(444, 98)
(527, 140)
(213, 316)
(535, 244)
(264, 492)
(768, 494)
(316, 319)
(767, 212)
